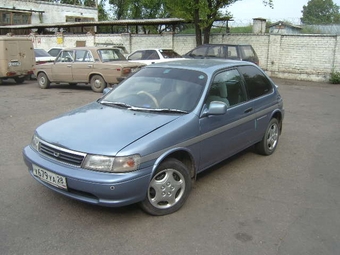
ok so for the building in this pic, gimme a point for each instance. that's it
(24, 12)
(282, 27)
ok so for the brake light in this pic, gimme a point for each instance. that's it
(11, 73)
(126, 70)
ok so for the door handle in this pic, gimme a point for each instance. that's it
(248, 110)
(69, 65)
(90, 66)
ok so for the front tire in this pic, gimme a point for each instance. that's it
(168, 189)
(43, 81)
(270, 139)
(98, 84)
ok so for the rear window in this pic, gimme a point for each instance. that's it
(257, 83)
(170, 54)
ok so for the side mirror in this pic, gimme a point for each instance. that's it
(106, 90)
(215, 108)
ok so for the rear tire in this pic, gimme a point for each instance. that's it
(43, 81)
(270, 139)
(98, 84)
(168, 189)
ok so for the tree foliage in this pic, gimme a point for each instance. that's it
(320, 12)
(203, 13)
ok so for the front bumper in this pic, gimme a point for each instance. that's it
(105, 189)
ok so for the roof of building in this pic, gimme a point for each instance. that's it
(131, 22)
(282, 23)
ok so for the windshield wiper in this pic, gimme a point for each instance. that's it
(116, 104)
(168, 110)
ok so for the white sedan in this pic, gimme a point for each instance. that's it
(151, 56)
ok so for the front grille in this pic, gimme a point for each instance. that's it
(63, 155)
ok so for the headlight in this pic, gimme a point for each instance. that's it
(112, 164)
(35, 143)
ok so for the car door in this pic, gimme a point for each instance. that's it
(82, 66)
(61, 70)
(228, 133)
(261, 93)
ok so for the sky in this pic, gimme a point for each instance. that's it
(287, 10)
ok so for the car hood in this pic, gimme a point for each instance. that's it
(99, 129)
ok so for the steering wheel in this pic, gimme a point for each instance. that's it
(149, 95)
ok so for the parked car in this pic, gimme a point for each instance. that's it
(54, 51)
(42, 57)
(226, 51)
(91, 65)
(151, 56)
(147, 139)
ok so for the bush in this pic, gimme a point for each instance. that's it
(335, 78)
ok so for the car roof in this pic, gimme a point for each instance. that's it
(204, 65)
(223, 44)
(90, 48)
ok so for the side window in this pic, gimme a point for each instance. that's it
(227, 88)
(136, 56)
(83, 56)
(65, 56)
(232, 52)
(215, 52)
(257, 84)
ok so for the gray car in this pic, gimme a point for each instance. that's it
(146, 140)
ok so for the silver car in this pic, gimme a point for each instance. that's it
(146, 140)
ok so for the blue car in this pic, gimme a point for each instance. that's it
(146, 140)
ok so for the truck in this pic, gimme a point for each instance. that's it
(17, 58)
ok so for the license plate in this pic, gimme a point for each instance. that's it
(14, 64)
(49, 177)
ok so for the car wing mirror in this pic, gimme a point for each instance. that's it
(215, 108)
(106, 90)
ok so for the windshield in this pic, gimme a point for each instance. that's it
(159, 89)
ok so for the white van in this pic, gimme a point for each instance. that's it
(16, 58)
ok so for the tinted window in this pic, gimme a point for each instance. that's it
(248, 53)
(257, 83)
(169, 54)
(227, 88)
(232, 52)
(41, 53)
(199, 52)
(54, 52)
(215, 52)
(136, 56)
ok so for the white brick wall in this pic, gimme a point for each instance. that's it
(302, 57)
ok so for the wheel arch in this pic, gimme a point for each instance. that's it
(279, 116)
(181, 154)
(93, 74)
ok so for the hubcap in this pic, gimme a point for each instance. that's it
(166, 188)
(272, 136)
(97, 83)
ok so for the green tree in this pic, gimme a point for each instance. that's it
(320, 12)
(203, 13)
(142, 9)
